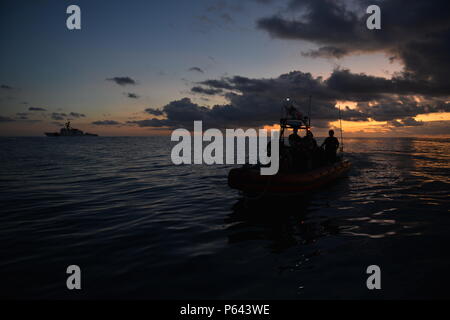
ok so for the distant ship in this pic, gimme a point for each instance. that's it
(69, 132)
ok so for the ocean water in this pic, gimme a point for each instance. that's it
(140, 227)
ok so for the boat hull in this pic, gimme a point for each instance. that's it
(251, 181)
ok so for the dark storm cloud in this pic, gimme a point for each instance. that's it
(326, 52)
(36, 109)
(123, 81)
(196, 69)
(252, 102)
(131, 95)
(154, 112)
(106, 123)
(415, 32)
(356, 86)
(255, 102)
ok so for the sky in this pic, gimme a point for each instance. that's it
(143, 67)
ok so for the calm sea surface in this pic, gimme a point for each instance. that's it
(140, 227)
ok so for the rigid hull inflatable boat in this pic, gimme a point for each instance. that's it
(249, 180)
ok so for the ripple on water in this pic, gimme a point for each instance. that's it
(120, 209)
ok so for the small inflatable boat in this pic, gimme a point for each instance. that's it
(250, 180)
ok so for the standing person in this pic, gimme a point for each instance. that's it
(331, 145)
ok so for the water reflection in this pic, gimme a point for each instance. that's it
(430, 157)
(283, 222)
(147, 229)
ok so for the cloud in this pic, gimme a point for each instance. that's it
(123, 81)
(258, 101)
(106, 123)
(77, 115)
(6, 87)
(406, 122)
(326, 52)
(22, 115)
(207, 91)
(6, 119)
(19, 117)
(36, 109)
(265, 1)
(226, 17)
(196, 69)
(152, 123)
(131, 95)
(391, 108)
(61, 116)
(154, 112)
(356, 86)
(417, 33)
(58, 116)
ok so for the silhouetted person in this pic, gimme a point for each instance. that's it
(310, 147)
(309, 142)
(294, 139)
(295, 142)
(286, 158)
(331, 145)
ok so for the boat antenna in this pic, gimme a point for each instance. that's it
(340, 123)
(309, 112)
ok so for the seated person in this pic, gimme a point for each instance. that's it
(310, 147)
(286, 159)
(294, 139)
(296, 151)
(309, 142)
(331, 145)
